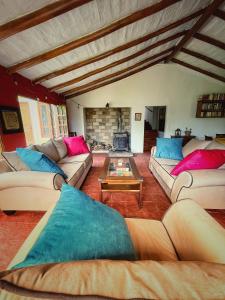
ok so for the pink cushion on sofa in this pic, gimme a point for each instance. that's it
(200, 159)
(76, 145)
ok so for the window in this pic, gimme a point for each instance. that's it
(42, 121)
(59, 120)
(45, 120)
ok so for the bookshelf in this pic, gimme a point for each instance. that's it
(211, 106)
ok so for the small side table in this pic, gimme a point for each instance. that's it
(186, 138)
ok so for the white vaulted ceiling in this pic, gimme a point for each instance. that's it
(97, 14)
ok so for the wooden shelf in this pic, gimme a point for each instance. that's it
(207, 108)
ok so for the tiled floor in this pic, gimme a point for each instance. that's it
(14, 229)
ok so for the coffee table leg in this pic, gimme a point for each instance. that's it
(100, 194)
(140, 202)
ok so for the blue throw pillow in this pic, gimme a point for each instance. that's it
(80, 228)
(169, 148)
(38, 161)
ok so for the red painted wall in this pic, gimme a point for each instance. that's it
(10, 87)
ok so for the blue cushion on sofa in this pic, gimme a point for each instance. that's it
(38, 161)
(169, 148)
(80, 228)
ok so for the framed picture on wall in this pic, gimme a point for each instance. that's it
(137, 117)
(10, 119)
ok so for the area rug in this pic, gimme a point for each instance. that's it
(14, 229)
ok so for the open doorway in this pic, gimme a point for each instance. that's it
(155, 118)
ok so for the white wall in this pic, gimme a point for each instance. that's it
(173, 86)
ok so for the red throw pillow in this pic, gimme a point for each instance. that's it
(200, 159)
(76, 145)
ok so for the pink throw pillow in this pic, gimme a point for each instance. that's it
(76, 145)
(200, 159)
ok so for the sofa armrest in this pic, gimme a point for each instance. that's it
(153, 150)
(34, 179)
(197, 179)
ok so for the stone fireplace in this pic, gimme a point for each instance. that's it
(107, 129)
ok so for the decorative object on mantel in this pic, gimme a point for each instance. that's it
(10, 119)
(187, 132)
(107, 105)
(211, 106)
(178, 132)
(137, 116)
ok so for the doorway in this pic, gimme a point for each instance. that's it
(154, 126)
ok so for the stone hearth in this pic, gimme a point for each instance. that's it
(102, 123)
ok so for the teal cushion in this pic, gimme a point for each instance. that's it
(169, 148)
(38, 161)
(80, 228)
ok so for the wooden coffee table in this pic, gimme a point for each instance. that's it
(121, 175)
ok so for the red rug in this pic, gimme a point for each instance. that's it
(15, 229)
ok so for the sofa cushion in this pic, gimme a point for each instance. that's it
(14, 161)
(150, 240)
(49, 149)
(85, 158)
(215, 145)
(73, 171)
(169, 148)
(199, 160)
(76, 145)
(166, 161)
(80, 228)
(194, 144)
(61, 147)
(37, 161)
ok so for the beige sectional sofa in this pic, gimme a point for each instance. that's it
(176, 260)
(22, 189)
(207, 187)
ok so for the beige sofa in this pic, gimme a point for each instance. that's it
(207, 187)
(22, 189)
(176, 260)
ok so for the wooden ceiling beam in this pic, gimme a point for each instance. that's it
(138, 15)
(118, 62)
(203, 57)
(209, 40)
(39, 16)
(92, 87)
(220, 14)
(99, 70)
(111, 75)
(118, 49)
(209, 11)
(210, 74)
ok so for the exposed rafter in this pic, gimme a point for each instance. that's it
(148, 11)
(39, 16)
(210, 74)
(99, 70)
(118, 62)
(209, 40)
(203, 57)
(220, 14)
(209, 11)
(92, 86)
(118, 49)
(113, 74)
